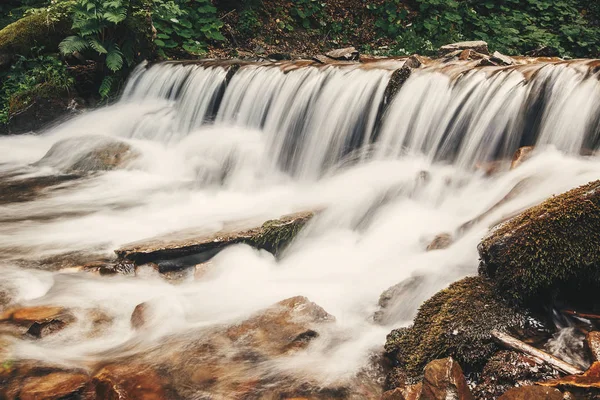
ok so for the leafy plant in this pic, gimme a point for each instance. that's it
(103, 33)
(308, 12)
(29, 76)
(189, 25)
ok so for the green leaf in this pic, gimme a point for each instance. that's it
(96, 45)
(106, 86)
(71, 44)
(114, 58)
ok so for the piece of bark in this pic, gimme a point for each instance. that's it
(515, 344)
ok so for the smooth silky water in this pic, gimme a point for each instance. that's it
(264, 143)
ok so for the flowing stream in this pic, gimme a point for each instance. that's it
(263, 142)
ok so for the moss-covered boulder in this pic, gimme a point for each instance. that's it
(456, 322)
(40, 29)
(549, 252)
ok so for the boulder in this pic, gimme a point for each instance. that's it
(88, 154)
(544, 253)
(456, 322)
(590, 379)
(398, 302)
(345, 54)
(478, 46)
(521, 155)
(37, 321)
(395, 83)
(192, 247)
(443, 379)
(532, 392)
(411, 392)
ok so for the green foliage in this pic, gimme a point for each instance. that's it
(10, 11)
(188, 25)
(509, 26)
(248, 22)
(309, 13)
(28, 77)
(104, 33)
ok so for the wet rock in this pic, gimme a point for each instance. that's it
(129, 382)
(521, 155)
(590, 379)
(532, 392)
(139, 316)
(441, 241)
(544, 253)
(398, 302)
(507, 369)
(443, 379)
(478, 45)
(501, 59)
(487, 62)
(38, 321)
(345, 54)
(456, 322)
(543, 51)
(26, 189)
(593, 342)
(56, 385)
(395, 83)
(412, 392)
(88, 154)
(273, 236)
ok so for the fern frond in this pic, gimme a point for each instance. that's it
(96, 45)
(71, 44)
(106, 86)
(114, 58)
(115, 17)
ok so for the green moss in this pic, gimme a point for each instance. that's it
(277, 234)
(550, 252)
(456, 322)
(40, 29)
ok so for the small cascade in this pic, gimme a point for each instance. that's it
(315, 117)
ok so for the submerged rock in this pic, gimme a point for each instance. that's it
(440, 242)
(444, 379)
(129, 382)
(521, 155)
(456, 322)
(395, 83)
(545, 253)
(477, 45)
(194, 247)
(88, 154)
(55, 386)
(36, 321)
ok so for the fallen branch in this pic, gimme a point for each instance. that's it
(515, 344)
(581, 314)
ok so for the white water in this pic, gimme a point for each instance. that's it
(282, 143)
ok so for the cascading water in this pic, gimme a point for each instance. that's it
(214, 147)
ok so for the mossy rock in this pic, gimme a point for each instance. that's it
(456, 322)
(550, 252)
(40, 29)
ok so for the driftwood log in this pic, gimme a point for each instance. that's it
(515, 344)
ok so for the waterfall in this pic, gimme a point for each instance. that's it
(213, 143)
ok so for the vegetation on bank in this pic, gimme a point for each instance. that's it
(109, 37)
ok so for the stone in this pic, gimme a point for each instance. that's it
(38, 321)
(590, 379)
(345, 54)
(478, 45)
(456, 322)
(521, 155)
(88, 154)
(532, 392)
(543, 51)
(129, 382)
(501, 59)
(200, 245)
(398, 302)
(395, 83)
(440, 242)
(412, 392)
(139, 317)
(56, 385)
(544, 253)
(443, 379)
(593, 342)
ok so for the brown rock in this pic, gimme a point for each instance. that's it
(521, 155)
(39, 321)
(589, 380)
(501, 59)
(444, 379)
(478, 45)
(593, 341)
(129, 382)
(441, 241)
(57, 385)
(532, 392)
(139, 317)
(345, 54)
(411, 392)
(464, 55)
